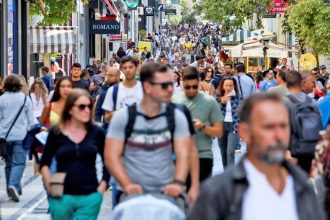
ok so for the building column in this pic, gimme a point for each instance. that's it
(3, 38)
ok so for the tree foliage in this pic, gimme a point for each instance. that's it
(53, 11)
(188, 14)
(310, 21)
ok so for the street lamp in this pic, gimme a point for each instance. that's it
(265, 48)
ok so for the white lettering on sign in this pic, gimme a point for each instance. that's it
(105, 26)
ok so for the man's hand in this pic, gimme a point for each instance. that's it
(173, 190)
(133, 189)
(102, 187)
(197, 124)
(192, 195)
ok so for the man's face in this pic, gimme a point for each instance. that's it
(129, 70)
(160, 89)
(165, 61)
(76, 72)
(284, 61)
(268, 132)
(309, 84)
(323, 71)
(112, 76)
(270, 75)
(227, 69)
(191, 88)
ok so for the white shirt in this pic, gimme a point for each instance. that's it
(126, 96)
(262, 202)
(228, 115)
(38, 105)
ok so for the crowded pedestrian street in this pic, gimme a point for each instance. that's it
(164, 110)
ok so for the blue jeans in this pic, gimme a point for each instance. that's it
(228, 143)
(15, 158)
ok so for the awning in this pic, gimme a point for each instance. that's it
(52, 39)
(240, 36)
(255, 49)
(112, 7)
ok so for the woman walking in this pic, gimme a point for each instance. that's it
(206, 85)
(38, 95)
(74, 143)
(229, 100)
(16, 118)
(52, 111)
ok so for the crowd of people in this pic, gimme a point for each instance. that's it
(153, 120)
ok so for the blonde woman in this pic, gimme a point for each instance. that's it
(38, 95)
(24, 86)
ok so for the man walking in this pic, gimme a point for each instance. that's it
(47, 78)
(142, 138)
(281, 88)
(245, 84)
(76, 77)
(263, 185)
(207, 119)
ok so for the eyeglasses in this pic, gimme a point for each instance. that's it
(191, 87)
(209, 71)
(82, 107)
(164, 85)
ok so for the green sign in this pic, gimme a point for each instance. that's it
(132, 3)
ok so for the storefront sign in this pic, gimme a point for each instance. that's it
(170, 11)
(104, 27)
(278, 6)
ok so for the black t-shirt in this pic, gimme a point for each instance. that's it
(76, 160)
(81, 84)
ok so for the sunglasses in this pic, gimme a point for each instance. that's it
(164, 85)
(191, 87)
(82, 107)
(209, 71)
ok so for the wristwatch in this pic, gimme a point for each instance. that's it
(179, 182)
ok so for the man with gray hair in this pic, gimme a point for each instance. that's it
(263, 185)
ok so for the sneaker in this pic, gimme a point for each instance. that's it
(13, 193)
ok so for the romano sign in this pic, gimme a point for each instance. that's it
(104, 27)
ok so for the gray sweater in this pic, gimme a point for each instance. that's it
(10, 104)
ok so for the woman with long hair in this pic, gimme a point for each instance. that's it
(75, 143)
(206, 85)
(38, 95)
(229, 100)
(53, 110)
(24, 86)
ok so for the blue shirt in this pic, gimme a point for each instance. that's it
(323, 105)
(265, 85)
(245, 85)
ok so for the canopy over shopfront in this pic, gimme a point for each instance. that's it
(53, 39)
(255, 48)
(240, 36)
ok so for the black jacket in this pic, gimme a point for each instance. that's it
(221, 197)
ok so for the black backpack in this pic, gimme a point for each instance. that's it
(305, 120)
(132, 113)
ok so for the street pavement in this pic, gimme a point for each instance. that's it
(33, 203)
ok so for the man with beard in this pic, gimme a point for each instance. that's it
(264, 185)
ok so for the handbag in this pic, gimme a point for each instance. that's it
(3, 141)
(57, 185)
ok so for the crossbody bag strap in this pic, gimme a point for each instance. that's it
(19, 112)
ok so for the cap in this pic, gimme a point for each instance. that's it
(323, 67)
(328, 84)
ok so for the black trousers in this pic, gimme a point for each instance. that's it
(205, 171)
(305, 162)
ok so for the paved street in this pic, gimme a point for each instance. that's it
(33, 204)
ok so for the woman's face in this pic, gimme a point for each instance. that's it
(209, 73)
(65, 88)
(81, 110)
(228, 85)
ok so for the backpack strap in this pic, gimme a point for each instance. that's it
(114, 96)
(132, 113)
(170, 118)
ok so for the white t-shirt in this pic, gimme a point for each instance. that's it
(38, 105)
(228, 115)
(262, 202)
(126, 96)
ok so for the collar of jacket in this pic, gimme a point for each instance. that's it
(300, 178)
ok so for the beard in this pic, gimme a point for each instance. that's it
(274, 153)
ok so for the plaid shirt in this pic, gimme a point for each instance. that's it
(235, 101)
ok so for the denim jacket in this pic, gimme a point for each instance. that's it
(235, 101)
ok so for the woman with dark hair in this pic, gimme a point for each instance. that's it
(259, 78)
(1, 85)
(16, 118)
(75, 143)
(177, 82)
(229, 100)
(52, 111)
(121, 53)
(206, 85)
